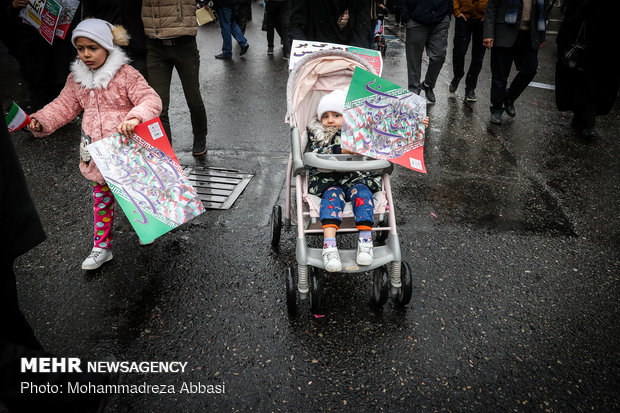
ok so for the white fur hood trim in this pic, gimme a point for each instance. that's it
(99, 78)
(323, 135)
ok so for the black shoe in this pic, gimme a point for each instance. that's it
(223, 56)
(509, 107)
(496, 118)
(470, 96)
(200, 146)
(430, 95)
(589, 133)
(244, 49)
(454, 85)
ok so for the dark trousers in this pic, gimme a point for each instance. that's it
(181, 53)
(278, 13)
(464, 32)
(433, 39)
(525, 59)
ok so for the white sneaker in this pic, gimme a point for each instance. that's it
(331, 259)
(96, 258)
(364, 252)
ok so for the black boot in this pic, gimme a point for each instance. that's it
(200, 145)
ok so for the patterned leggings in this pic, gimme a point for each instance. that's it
(332, 205)
(103, 208)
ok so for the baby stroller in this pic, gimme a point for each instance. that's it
(379, 39)
(314, 76)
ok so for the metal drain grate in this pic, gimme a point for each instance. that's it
(217, 188)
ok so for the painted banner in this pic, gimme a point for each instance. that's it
(145, 176)
(301, 48)
(382, 120)
(16, 118)
(49, 20)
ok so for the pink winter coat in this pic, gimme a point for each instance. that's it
(109, 95)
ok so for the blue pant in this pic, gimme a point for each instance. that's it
(228, 27)
(332, 205)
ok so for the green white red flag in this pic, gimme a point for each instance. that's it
(17, 118)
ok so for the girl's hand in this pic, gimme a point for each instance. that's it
(425, 122)
(35, 126)
(126, 127)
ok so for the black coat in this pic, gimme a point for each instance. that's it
(600, 80)
(428, 12)
(19, 222)
(318, 20)
(127, 13)
(505, 34)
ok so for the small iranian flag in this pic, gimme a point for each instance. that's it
(17, 118)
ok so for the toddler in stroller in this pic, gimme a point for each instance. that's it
(315, 99)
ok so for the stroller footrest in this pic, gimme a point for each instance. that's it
(382, 255)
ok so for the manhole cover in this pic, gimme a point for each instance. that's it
(217, 188)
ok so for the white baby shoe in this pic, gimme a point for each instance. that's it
(364, 252)
(331, 259)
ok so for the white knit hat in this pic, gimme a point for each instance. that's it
(97, 30)
(332, 102)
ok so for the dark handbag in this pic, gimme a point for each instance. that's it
(575, 57)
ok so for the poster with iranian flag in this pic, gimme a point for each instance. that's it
(382, 120)
(16, 118)
(145, 176)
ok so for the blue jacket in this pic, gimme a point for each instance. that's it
(428, 12)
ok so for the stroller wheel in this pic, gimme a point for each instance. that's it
(291, 293)
(381, 285)
(275, 225)
(315, 289)
(404, 294)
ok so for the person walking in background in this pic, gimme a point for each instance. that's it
(589, 88)
(171, 43)
(115, 98)
(469, 15)
(278, 14)
(514, 30)
(427, 24)
(333, 21)
(227, 14)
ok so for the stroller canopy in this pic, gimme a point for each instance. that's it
(314, 76)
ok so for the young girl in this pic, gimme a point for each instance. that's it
(336, 188)
(114, 97)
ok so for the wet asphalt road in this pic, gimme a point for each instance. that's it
(513, 238)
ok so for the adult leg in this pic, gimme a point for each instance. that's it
(187, 63)
(236, 30)
(477, 55)
(159, 70)
(414, 46)
(225, 16)
(501, 62)
(436, 47)
(462, 36)
(281, 25)
(526, 62)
